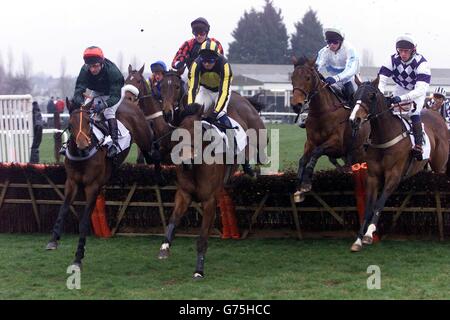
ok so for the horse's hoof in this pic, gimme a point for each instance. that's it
(367, 240)
(163, 254)
(299, 197)
(198, 275)
(306, 188)
(356, 247)
(52, 245)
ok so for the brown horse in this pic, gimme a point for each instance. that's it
(90, 169)
(389, 156)
(198, 182)
(328, 131)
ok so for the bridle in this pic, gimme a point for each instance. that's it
(80, 131)
(317, 88)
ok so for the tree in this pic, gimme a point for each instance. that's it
(120, 63)
(64, 81)
(308, 37)
(367, 58)
(260, 37)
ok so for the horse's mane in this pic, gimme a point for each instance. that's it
(172, 73)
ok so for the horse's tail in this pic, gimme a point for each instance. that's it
(259, 106)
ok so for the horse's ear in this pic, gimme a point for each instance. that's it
(68, 104)
(376, 81)
(141, 70)
(130, 68)
(294, 60)
(311, 62)
(357, 80)
(181, 71)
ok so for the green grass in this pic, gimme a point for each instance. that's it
(291, 137)
(127, 268)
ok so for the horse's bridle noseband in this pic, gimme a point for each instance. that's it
(80, 131)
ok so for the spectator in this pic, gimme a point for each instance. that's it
(37, 133)
(51, 108)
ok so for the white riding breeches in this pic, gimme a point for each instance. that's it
(209, 99)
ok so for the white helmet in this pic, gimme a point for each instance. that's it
(440, 91)
(406, 41)
(333, 33)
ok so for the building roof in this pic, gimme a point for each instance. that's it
(273, 73)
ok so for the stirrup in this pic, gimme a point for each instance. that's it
(113, 151)
(417, 152)
(62, 151)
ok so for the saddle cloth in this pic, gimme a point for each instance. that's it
(426, 144)
(240, 137)
(105, 140)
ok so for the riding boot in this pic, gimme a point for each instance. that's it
(418, 140)
(348, 92)
(248, 170)
(225, 121)
(114, 132)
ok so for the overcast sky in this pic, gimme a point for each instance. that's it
(48, 30)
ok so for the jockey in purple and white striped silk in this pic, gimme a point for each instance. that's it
(412, 75)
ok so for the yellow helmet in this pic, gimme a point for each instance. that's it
(209, 47)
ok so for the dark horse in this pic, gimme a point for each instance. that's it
(92, 173)
(389, 156)
(328, 131)
(199, 182)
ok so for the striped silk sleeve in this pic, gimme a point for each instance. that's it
(224, 89)
(194, 80)
(181, 54)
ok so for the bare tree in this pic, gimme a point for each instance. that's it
(367, 58)
(10, 66)
(64, 81)
(27, 67)
(136, 63)
(120, 62)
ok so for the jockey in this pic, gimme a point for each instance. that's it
(412, 75)
(189, 50)
(209, 82)
(440, 103)
(158, 69)
(339, 62)
(105, 80)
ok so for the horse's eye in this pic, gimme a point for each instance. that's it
(372, 96)
(308, 78)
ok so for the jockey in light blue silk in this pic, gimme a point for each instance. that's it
(338, 62)
(412, 76)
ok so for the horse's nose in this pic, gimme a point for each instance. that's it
(297, 107)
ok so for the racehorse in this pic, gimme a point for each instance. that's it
(198, 182)
(88, 166)
(152, 110)
(389, 156)
(328, 131)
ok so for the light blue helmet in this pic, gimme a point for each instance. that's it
(158, 66)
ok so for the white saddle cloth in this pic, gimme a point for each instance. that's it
(240, 137)
(124, 137)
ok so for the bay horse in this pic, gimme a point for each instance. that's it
(389, 155)
(196, 182)
(90, 169)
(328, 131)
(152, 110)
